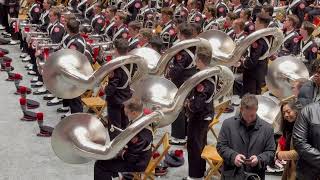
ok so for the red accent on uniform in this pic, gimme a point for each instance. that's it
(255, 45)
(314, 49)
(200, 88)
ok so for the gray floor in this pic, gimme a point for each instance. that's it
(28, 157)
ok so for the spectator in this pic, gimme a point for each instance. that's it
(305, 136)
(246, 142)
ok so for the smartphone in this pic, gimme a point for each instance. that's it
(247, 160)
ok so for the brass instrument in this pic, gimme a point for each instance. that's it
(68, 73)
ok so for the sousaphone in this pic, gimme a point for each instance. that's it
(68, 73)
(226, 52)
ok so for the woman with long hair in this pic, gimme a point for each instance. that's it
(285, 151)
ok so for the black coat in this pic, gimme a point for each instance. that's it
(305, 95)
(306, 133)
(234, 139)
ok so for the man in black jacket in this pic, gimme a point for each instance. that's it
(136, 156)
(306, 133)
(246, 142)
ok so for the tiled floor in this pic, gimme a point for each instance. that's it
(24, 156)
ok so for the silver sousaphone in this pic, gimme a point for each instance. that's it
(282, 72)
(68, 73)
(226, 52)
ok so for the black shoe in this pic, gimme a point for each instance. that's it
(48, 98)
(61, 110)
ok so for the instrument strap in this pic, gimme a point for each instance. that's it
(128, 75)
(193, 63)
(214, 82)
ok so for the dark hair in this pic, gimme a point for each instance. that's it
(240, 23)
(249, 101)
(212, 10)
(232, 16)
(167, 11)
(308, 26)
(156, 43)
(73, 26)
(134, 105)
(135, 25)
(146, 32)
(247, 12)
(186, 30)
(264, 19)
(122, 46)
(51, 3)
(294, 19)
(204, 55)
(196, 28)
(285, 126)
(268, 9)
(113, 9)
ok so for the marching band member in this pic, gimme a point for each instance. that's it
(168, 33)
(118, 91)
(89, 10)
(181, 68)
(239, 34)
(133, 158)
(76, 42)
(308, 47)
(228, 24)
(109, 13)
(297, 7)
(239, 30)
(221, 9)
(55, 31)
(200, 112)
(145, 35)
(45, 19)
(34, 12)
(245, 15)
(119, 29)
(195, 15)
(268, 9)
(98, 22)
(291, 39)
(156, 44)
(133, 7)
(134, 28)
(255, 65)
(237, 7)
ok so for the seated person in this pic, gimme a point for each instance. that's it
(135, 157)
